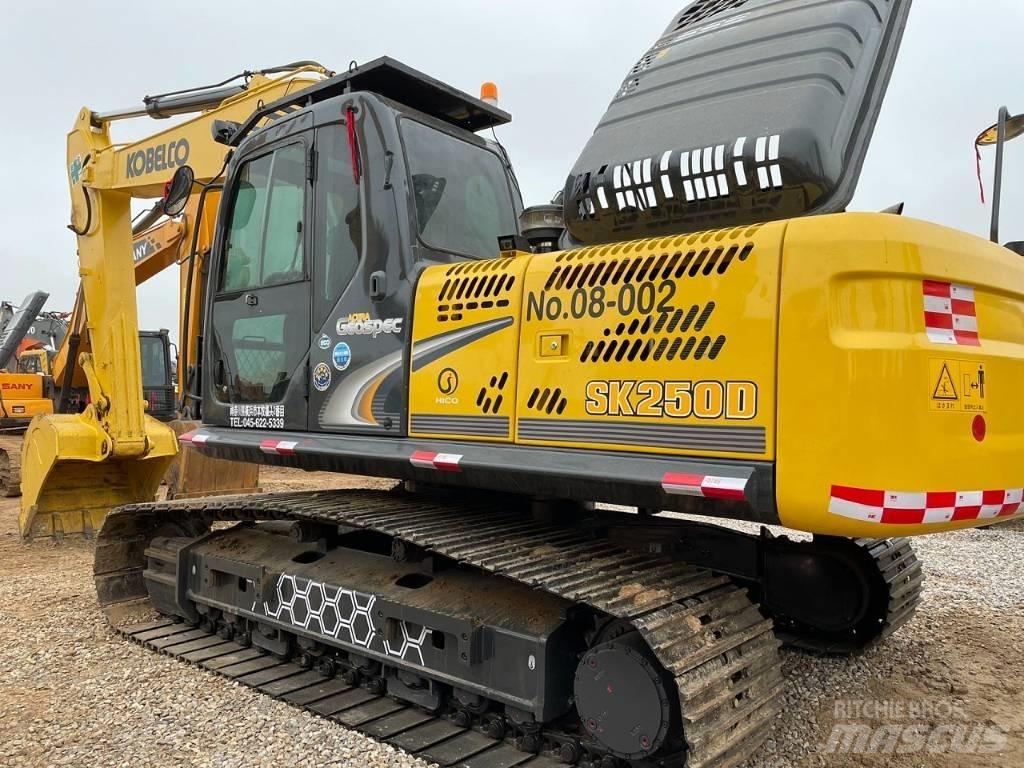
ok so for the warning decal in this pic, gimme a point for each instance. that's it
(957, 385)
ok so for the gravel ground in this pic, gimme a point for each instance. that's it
(74, 694)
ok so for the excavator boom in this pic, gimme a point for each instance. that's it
(76, 467)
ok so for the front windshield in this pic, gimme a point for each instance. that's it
(30, 364)
(463, 201)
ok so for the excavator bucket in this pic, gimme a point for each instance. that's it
(194, 474)
(68, 482)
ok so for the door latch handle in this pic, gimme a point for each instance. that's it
(251, 299)
(378, 285)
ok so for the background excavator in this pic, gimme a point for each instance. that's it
(44, 382)
(155, 244)
(713, 335)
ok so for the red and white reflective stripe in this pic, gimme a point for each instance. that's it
(920, 507)
(279, 447)
(445, 462)
(950, 315)
(707, 486)
(194, 438)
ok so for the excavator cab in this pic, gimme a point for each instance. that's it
(328, 218)
(34, 361)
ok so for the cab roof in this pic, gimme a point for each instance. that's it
(396, 81)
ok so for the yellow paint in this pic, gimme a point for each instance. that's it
(856, 374)
(456, 296)
(77, 467)
(823, 350)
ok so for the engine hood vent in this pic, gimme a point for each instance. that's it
(743, 111)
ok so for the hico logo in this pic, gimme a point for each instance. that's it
(158, 158)
(447, 382)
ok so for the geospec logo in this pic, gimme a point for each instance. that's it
(158, 158)
(360, 324)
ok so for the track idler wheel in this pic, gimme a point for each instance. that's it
(622, 697)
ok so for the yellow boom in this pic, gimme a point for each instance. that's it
(77, 467)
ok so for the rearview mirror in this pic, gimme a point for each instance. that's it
(178, 189)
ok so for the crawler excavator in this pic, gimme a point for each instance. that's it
(714, 335)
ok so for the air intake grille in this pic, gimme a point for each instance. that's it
(658, 328)
(633, 340)
(474, 285)
(547, 400)
(491, 395)
(578, 269)
(703, 10)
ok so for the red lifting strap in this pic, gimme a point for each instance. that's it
(353, 148)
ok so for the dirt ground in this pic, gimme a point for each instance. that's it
(958, 663)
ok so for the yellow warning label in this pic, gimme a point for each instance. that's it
(957, 385)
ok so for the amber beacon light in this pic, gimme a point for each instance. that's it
(489, 93)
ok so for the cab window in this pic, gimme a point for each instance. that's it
(462, 197)
(339, 230)
(265, 240)
(153, 356)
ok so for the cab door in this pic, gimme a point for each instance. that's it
(360, 319)
(260, 310)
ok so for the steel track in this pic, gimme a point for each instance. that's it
(10, 466)
(898, 579)
(704, 631)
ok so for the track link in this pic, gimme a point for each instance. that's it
(702, 629)
(10, 466)
(435, 739)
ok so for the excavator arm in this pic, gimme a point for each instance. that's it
(79, 466)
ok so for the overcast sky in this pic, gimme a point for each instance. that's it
(557, 65)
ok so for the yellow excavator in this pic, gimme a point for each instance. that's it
(101, 463)
(44, 382)
(712, 334)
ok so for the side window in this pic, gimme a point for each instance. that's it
(265, 239)
(339, 230)
(461, 190)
